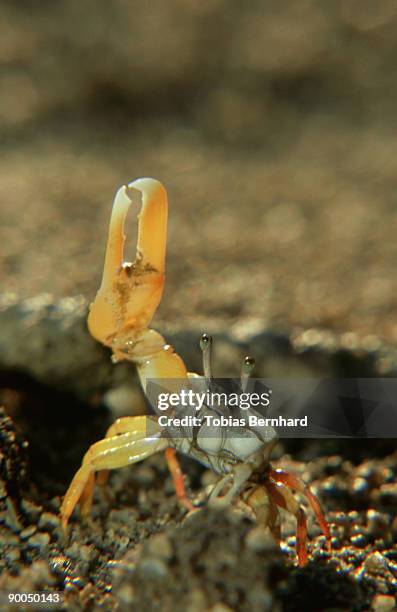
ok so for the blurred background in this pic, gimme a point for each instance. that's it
(273, 127)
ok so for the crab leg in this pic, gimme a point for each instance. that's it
(87, 495)
(265, 510)
(283, 497)
(126, 424)
(178, 478)
(121, 426)
(109, 453)
(239, 476)
(292, 481)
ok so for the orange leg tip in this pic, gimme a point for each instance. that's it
(178, 479)
(328, 544)
(292, 481)
(302, 560)
(64, 525)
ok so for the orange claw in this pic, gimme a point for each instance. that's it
(131, 292)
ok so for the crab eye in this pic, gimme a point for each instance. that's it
(206, 348)
(205, 341)
(246, 370)
(249, 364)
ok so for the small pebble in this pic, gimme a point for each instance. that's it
(333, 464)
(360, 486)
(78, 581)
(73, 551)
(70, 588)
(29, 531)
(388, 493)
(375, 562)
(12, 555)
(11, 539)
(59, 565)
(356, 529)
(123, 516)
(39, 540)
(123, 543)
(359, 540)
(86, 552)
(31, 510)
(340, 518)
(11, 518)
(49, 521)
(348, 553)
(365, 470)
(383, 603)
(378, 524)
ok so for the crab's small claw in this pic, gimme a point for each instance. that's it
(130, 292)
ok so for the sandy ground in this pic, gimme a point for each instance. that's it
(273, 130)
(140, 550)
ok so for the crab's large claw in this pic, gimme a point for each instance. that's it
(130, 292)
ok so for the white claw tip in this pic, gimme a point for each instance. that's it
(147, 186)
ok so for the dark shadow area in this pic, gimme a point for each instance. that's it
(58, 427)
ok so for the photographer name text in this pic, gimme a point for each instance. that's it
(251, 420)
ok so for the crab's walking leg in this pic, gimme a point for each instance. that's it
(283, 497)
(137, 425)
(265, 510)
(109, 453)
(87, 495)
(292, 481)
(239, 476)
(123, 425)
(178, 478)
(126, 424)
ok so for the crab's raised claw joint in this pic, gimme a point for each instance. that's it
(131, 292)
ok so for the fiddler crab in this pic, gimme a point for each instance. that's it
(119, 318)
